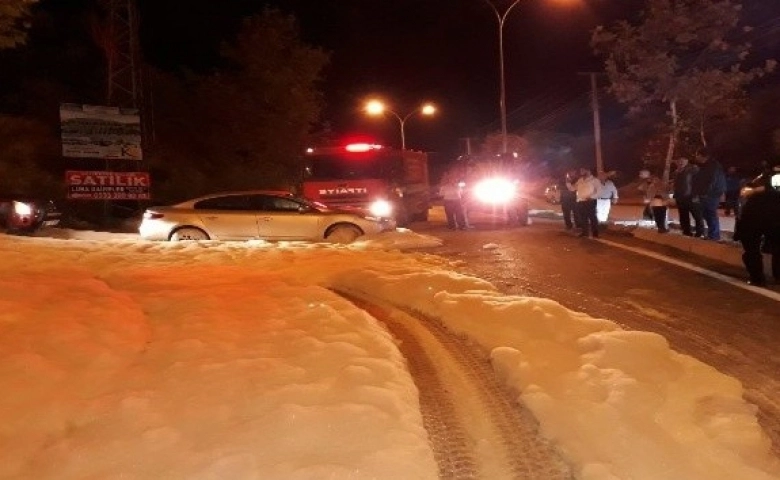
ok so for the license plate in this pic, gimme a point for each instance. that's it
(50, 223)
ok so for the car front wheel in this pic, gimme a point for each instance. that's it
(189, 233)
(343, 234)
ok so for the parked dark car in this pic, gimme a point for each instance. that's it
(22, 214)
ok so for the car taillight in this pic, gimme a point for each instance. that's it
(152, 215)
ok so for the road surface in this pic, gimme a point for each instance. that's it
(731, 329)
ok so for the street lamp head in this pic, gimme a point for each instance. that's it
(428, 109)
(375, 107)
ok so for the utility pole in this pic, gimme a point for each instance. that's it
(125, 74)
(123, 58)
(594, 102)
(501, 17)
(118, 37)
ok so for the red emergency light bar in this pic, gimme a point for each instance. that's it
(362, 147)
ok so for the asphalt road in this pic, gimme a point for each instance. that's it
(731, 329)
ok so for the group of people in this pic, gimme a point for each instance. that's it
(586, 200)
(697, 189)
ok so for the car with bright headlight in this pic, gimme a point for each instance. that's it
(498, 194)
(258, 214)
(25, 214)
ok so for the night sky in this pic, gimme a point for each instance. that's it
(444, 51)
(410, 51)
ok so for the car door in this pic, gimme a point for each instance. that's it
(284, 218)
(229, 217)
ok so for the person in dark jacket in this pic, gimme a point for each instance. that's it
(568, 201)
(734, 184)
(683, 197)
(452, 194)
(708, 186)
(759, 223)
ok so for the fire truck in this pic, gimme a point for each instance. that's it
(376, 179)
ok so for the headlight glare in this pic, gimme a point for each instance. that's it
(495, 190)
(380, 208)
(21, 208)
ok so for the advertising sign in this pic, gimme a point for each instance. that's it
(99, 185)
(100, 132)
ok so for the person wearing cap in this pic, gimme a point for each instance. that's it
(759, 223)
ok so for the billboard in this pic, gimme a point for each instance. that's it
(100, 132)
(100, 185)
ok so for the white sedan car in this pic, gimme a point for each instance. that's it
(265, 215)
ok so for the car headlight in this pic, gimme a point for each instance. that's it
(21, 208)
(380, 208)
(495, 190)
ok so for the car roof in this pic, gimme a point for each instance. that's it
(278, 193)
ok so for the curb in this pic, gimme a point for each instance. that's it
(726, 252)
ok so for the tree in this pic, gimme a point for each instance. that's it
(29, 155)
(13, 30)
(682, 55)
(264, 104)
(246, 125)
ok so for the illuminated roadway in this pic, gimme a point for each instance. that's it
(732, 329)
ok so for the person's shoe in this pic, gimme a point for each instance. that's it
(582, 235)
(663, 230)
(757, 283)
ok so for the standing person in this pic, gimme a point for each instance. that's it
(709, 185)
(655, 195)
(660, 209)
(648, 185)
(587, 191)
(453, 203)
(759, 221)
(608, 196)
(734, 183)
(465, 202)
(683, 197)
(568, 201)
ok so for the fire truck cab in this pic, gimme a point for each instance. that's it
(381, 181)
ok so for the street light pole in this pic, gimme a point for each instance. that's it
(502, 95)
(402, 123)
